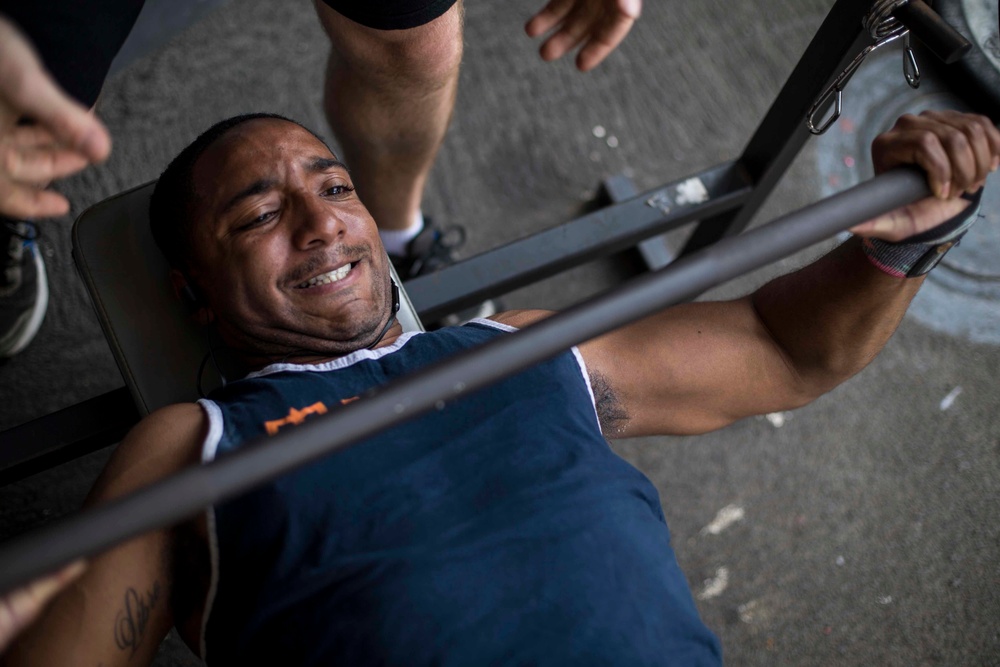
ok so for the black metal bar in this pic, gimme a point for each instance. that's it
(926, 25)
(66, 434)
(188, 492)
(603, 232)
(654, 251)
(782, 133)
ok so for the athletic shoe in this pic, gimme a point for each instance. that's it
(24, 290)
(430, 251)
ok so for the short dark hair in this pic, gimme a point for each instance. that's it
(170, 207)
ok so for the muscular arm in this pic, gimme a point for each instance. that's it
(698, 367)
(119, 610)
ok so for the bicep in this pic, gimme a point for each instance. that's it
(693, 368)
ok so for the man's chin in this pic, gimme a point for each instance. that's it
(344, 341)
(264, 347)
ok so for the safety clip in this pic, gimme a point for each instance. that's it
(884, 29)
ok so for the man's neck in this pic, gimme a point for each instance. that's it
(254, 362)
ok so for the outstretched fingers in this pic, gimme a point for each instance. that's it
(605, 39)
(61, 137)
(28, 91)
(30, 159)
(550, 16)
(25, 202)
(600, 25)
(31, 165)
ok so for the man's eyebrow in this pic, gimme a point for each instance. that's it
(325, 164)
(255, 188)
(318, 164)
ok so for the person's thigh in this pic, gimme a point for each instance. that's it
(76, 39)
(390, 14)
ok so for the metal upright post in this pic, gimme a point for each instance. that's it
(783, 132)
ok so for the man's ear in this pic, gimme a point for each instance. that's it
(185, 290)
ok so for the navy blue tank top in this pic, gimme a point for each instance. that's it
(500, 530)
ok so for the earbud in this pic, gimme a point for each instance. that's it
(395, 296)
(190, 294)
(190, 297)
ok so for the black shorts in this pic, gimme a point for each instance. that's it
(78, 39)
(391, 14)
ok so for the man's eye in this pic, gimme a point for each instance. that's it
(338, 190)
(259, 220)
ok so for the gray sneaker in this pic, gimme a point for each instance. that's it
(24, 289)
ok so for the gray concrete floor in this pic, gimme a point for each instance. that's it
(868, 533)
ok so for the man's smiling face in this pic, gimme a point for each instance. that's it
(286, 255)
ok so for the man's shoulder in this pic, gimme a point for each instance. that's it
(177, 425)
(162, 443)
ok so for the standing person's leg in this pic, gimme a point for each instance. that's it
(390, 90)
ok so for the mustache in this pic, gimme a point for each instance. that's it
(325, 257)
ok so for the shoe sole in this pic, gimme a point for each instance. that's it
(27, 325)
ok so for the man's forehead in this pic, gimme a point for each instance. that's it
(263, 140)
(258, 148)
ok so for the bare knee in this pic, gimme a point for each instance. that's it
(428, 55)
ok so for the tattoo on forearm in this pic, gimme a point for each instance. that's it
(130, 624)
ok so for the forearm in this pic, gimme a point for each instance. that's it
(832, 317)
(116, 614)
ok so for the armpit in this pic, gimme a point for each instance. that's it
(610, 411)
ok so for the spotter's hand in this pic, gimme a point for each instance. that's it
(956, 150)
(599, 25)
(64, 138)
(20, 607)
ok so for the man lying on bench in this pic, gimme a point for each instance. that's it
(501, 529)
